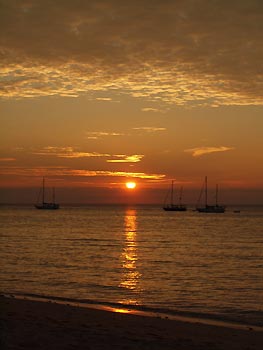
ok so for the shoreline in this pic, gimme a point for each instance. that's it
(33, 324)
(135, 310)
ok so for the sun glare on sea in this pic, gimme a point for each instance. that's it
(130, 185)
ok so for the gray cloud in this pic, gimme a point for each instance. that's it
(180, 51)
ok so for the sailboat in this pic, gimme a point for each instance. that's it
(47, 205)
(174, 207)
(210, 208)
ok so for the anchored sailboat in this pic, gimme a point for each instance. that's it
(174, 207)
(210, 208)
(47, 205)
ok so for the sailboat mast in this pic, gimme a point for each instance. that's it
(206, 191)
(216, 194)
(53, 194)
(180, 198)
(43, 191)
(172, 193)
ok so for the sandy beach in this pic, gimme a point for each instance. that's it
(30, 324)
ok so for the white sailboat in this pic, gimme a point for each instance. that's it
(47, 205)
(210, 208)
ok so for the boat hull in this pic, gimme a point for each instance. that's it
(175, 208)
(212, 209)
(47, 206)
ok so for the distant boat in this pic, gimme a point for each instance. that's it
(210, 208)
(174, 207)
(47, 205)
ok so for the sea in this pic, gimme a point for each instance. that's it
(190, 264)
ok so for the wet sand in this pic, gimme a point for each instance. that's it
(29, 324)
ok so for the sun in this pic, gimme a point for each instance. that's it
(130, 185)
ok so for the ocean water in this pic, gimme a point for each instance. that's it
(188, 263)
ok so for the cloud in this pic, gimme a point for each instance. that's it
(149, 129)
(70, 152)
(150, 109)
(103, 99)
(63, 171)
(122, 158)
(200, 151)
(93, 135)
(7, 159)
(67, 152)
(181, 52)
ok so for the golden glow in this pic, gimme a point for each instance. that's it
(129, 257)
(130, 185)
(121, 311)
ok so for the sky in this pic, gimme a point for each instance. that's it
(100, 92)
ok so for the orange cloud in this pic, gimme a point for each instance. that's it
(67, 152)
(122, 158)
(7, 159)
(200, 151)
(62, 171)
(97, 134)
(103, 99)
(150, 109)
(149, 128)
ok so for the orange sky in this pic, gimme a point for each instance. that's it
(96, 93)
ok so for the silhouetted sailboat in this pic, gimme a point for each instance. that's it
(210, 208)
(47, 205)
(174, 207)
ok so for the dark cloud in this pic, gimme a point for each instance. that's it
(176, 51)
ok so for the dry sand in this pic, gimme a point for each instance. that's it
(28, 324)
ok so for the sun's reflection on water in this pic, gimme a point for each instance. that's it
(129, 256)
